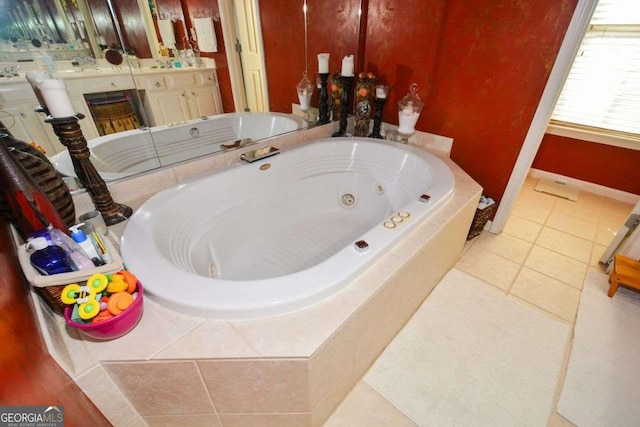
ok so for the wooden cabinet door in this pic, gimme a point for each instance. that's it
(168, 107)
(204, 101)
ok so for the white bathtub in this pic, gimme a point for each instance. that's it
(126, 153)
(254, 241)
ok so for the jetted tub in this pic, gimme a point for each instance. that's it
(280, 234)
(126, 153)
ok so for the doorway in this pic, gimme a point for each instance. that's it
(245, 54)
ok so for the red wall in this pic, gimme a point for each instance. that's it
(133, 28)
(401, 46)
(332, 27)
(103, 22)
(612, 167)
(480, 66)
(492, 65)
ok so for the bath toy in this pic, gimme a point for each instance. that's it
(130, 278)
(102, 316)
(89, 309)
(98, 281)
(119, 302)
(117, 284)
(76, 294)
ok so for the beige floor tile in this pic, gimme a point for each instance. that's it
(609, 225)
(596, 254)
(558, 266)
(605, 234)
(366, 407)
(537, 198)
(469, 243)
(489, 267)
(505, 245)
(565, 244)
(546, 293)
(531, 212)
(617, 207)
(581, 208)
(612, 220)
(593, 199)
(529, 183)
(522, 228)
(576, 226)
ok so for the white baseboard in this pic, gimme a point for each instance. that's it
(612, 193)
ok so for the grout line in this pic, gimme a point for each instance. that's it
(542, 310)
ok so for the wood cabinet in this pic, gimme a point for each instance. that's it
(166, 107)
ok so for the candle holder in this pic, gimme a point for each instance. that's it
(409, 109)
(344, 105)
(335, 89)
(70, 135)
(323, 94)
(305, 92)
(379, 100)
(364, 89)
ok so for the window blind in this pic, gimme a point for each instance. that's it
(602, 90)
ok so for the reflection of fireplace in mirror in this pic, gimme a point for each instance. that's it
(114, 112)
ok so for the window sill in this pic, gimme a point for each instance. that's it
(591, 136)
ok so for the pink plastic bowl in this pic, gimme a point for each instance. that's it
(112, 328)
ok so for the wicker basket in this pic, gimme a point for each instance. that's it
(50, 287)
(480, 219)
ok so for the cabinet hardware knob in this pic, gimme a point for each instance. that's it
(157, 84)
(113, 84)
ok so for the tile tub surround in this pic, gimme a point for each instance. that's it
(292, 369)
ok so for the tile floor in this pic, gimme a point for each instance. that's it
(540, 260)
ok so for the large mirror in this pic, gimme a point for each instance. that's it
(134, 29)
(28, 26)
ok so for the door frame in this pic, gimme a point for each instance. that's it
(230, 35)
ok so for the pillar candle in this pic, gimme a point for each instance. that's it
(347, 66)
(381, 92)
(34, 78)
(323, 63)
(55, 95)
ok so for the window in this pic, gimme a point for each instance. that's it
(602, 92)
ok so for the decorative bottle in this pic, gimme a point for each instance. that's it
(49, 259)
(409, 109)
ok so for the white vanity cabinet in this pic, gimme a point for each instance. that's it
(205, 96)
(179, 96)
(17, 113)
(168, 96)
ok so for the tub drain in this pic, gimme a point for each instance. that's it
(348, 200)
